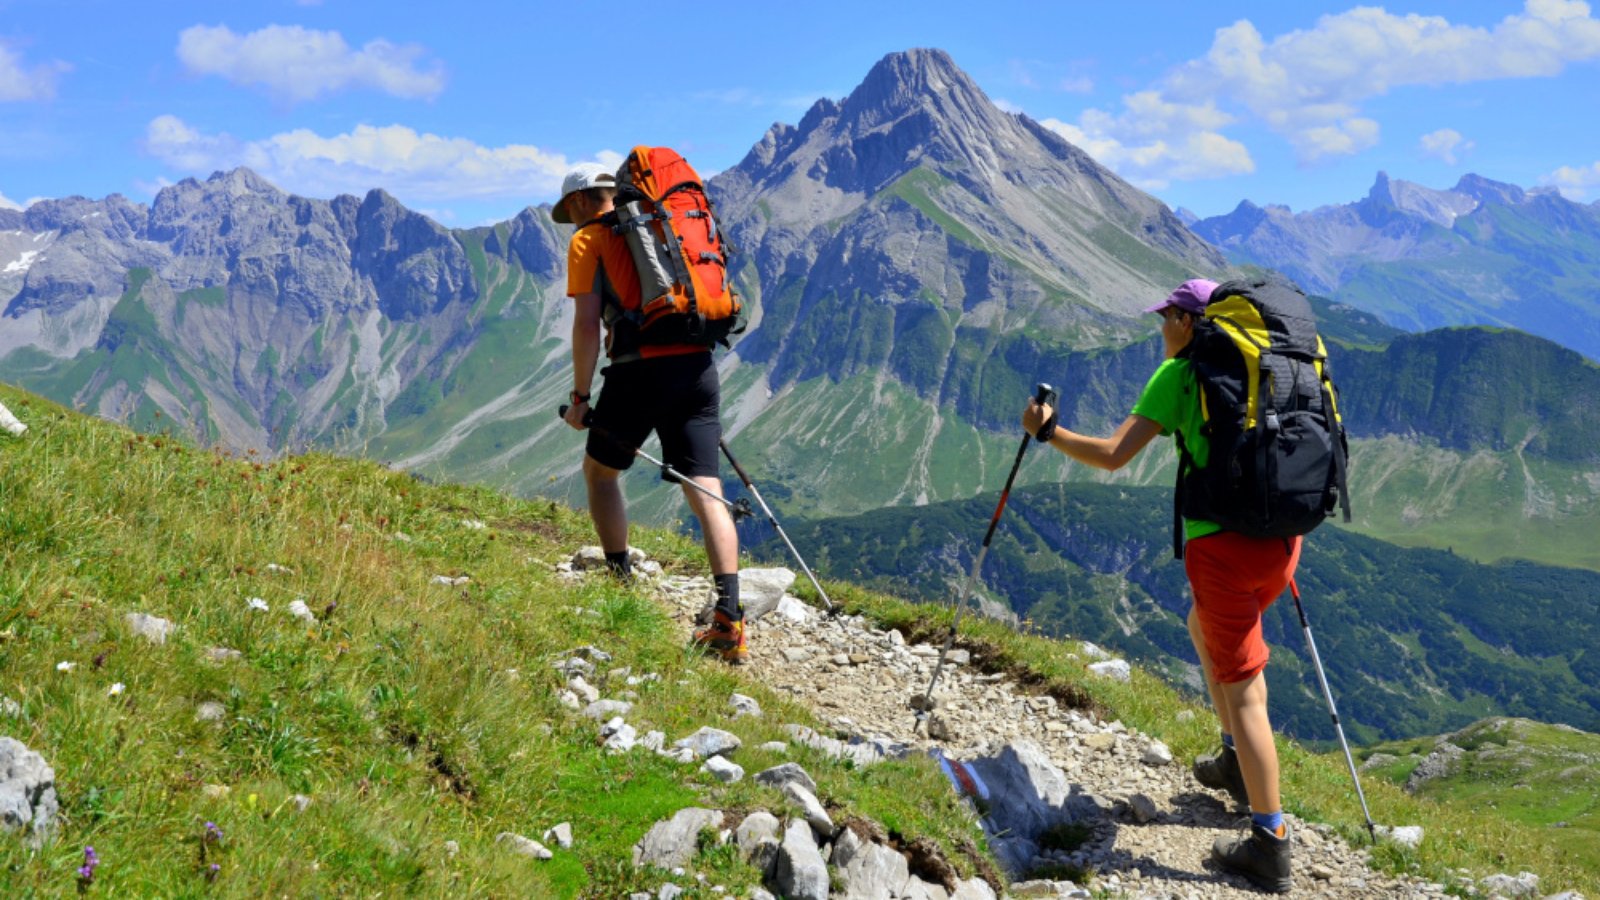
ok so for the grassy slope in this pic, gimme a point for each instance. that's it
(1543, 776)
(412, 714)
(1486, 505)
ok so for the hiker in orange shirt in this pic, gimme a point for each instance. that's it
(1233, 578)
(670, 389)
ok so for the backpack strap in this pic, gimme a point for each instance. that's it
(1341, 450)
(1185, 466)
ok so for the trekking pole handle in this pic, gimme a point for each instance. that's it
(1045, 394)
(587, 417)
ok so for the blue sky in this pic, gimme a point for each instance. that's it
(473, 111)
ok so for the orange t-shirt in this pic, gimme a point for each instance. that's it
(598, 262)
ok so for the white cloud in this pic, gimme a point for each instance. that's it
(413, 166)
(1308, 85)
(1077, 84)
(1005, 105)
(1574, 182)
(1446, 145)
(1155, 142)
(295, 63)
(19, 82)
(8, 203)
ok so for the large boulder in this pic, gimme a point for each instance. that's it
(757, 837)
(867, 870)
(801, 873)
(1028, 795)
(27, 792)
(674, 842)
(761, 589)
(709, 742)
(780, 775)
(810, 808)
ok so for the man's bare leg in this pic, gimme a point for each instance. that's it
(606, 507)
(716, 525)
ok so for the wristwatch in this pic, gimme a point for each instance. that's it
(578, 398)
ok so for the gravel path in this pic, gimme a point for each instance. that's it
(860, 680)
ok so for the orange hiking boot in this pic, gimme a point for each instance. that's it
(725, 637)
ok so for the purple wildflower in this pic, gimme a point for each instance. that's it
(213, 833)
(213, 871)
(86, 871)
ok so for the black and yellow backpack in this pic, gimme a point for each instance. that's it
(1278, 460)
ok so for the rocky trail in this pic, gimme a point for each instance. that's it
(1149, 825)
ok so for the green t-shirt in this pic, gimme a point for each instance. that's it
(1171, 399)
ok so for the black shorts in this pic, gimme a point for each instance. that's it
(677, 397)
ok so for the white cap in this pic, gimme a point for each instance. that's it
(582, 177)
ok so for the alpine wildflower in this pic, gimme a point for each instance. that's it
(86, 871)
(257, 603)
(65, 666)
(116, 689)
(211, 837)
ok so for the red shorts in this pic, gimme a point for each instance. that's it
(1234, 579)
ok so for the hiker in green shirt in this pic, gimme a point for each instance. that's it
(1233, 579)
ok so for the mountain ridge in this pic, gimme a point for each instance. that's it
(1481, 253)
(915, 260)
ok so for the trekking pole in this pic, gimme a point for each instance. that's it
(750, 486)
(1044, 393)
(1294, 590)
(739, 508)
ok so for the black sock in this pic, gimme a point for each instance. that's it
(728, 596)
(618, 563)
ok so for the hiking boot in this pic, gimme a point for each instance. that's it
(724, 637)
(1262, 858)
(1220, 771)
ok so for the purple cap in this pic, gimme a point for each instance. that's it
(1191, 296)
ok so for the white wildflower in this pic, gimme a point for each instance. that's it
(299, 610)
(257, 603)
(65, 666)
(116, 689)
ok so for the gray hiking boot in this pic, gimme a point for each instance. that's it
(1220, 771)
(1262, 858)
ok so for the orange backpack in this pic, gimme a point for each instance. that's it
(682, 258)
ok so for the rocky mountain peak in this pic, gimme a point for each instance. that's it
(1381, 193)
(902, 81)
(1391, 196)
(240, 181)
(1230, 229)
(114, 216)
(921, 96)
(1485, 190)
